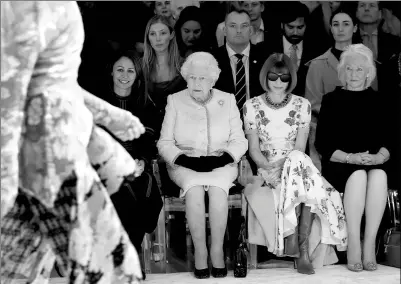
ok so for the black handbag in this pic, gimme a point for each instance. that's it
(241, 253)
(392, 238)
(138, 203)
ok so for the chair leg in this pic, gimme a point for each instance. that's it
(159, 246)
(253, 253)
(146, 252)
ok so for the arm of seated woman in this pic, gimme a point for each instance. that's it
(214, 162)
(380, 157)
(237, 143)
(363, 158)
(255, 153)
(302, 138)
(197, 164)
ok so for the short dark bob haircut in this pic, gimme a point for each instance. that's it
(280, 64)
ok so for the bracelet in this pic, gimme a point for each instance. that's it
(384, 157)
(347, 158)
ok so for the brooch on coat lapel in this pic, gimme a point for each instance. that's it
(221, 103)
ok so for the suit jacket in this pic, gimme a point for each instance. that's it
(274, 44)
(226, 81)
(388, 47)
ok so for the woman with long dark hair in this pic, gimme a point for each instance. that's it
(191, 31)
(161, 64)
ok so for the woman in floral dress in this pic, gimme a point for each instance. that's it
(277, 127)
(54, 206)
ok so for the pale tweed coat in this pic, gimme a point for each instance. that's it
(322, 78)
(53, 203)
(202, 130)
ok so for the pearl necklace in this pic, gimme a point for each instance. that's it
(281, 104)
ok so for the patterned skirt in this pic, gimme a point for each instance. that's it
(81, 231)
(301, 182)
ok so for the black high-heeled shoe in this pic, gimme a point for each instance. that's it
(219, 272)
(202, 273)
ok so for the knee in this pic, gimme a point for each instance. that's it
(377, 176)
(357, 179)
(195, 197)
(359, 175)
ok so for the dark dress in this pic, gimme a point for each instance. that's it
(353, 122)
(158, 93)
(141, 196)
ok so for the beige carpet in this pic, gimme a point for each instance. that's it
(328, 275)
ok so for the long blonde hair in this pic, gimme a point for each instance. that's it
(149, 57)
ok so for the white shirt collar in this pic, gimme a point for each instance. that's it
(232, 53)
(287, 45)
(262, 25)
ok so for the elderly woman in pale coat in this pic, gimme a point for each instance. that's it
(202, 141)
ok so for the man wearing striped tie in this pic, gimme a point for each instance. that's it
(239, 60)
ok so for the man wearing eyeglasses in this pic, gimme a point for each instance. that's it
(239, 60)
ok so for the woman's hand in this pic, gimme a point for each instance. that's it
(279, 163)
(372, 159)
(272, 177)
(356, 159)
(364, 158)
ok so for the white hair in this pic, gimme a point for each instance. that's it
(201, 59)
(351, 51)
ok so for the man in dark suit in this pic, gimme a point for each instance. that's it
(384, 46)
(290, 41)
(239, 60)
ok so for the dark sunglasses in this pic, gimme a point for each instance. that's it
(274, 76)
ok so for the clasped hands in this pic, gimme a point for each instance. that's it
(272, 172)
(365, 158)
(204, 163)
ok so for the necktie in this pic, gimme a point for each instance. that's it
(240, 82)
(294, 56)
(368, 41)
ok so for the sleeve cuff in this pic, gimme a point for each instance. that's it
(231, 155)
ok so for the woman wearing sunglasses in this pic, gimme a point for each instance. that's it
(290, 195)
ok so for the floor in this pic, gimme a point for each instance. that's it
(328, 275)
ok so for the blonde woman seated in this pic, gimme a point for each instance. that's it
(290, 191)
(202, 141)
(355, 150)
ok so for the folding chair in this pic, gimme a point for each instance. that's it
(155, 245)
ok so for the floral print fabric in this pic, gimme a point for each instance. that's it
(54, 205)
(301, 182)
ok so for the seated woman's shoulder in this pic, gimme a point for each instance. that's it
(300, 100)
(223, 95)
(317, 61)
(254, 101)
(179, 94)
